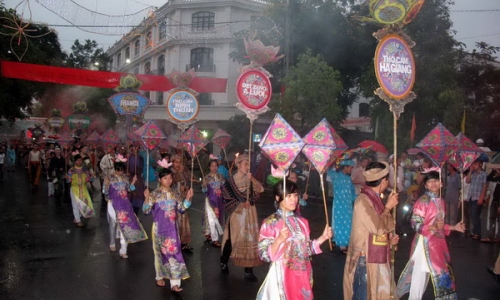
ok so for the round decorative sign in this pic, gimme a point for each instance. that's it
(394, 66)
(182, 106)
(253, 89)
(129, 103)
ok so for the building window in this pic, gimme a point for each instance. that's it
(203, 21)
(163, 30)
(119, 60)
(149, 40)
(159, 98)
(136, 71)
(147, 68)
(161, 65)
(205, 99)
(147, 94)
(364, 110)
(127, 53)
(202, 59)
(137, 48)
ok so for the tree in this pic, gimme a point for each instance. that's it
(16, 96)
(238, 127)
(439, 94)
(312, 90)
(87, 56)
(323, 27)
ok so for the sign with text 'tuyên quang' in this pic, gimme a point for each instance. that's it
(395, 66)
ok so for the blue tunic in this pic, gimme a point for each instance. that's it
(343, 200)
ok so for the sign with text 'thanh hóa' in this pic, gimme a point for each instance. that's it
(129, 103)
(253, 89)
(182, 106)
(395, 66)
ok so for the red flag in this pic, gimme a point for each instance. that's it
(413, 128)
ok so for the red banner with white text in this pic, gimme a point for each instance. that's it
(101, 79)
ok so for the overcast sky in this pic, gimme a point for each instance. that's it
(471, 26)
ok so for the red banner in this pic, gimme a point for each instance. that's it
(101, 79)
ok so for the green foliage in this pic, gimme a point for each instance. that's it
(312, 90)
(238, 127)
(87, 56)
(16, 95)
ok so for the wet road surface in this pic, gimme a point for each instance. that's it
(43, 255)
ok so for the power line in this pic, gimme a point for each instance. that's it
(474, 10)
(477, 36)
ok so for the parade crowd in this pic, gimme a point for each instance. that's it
(364, 192)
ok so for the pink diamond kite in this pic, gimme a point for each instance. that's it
(281, 144)
(439, 144)
(466, 154)
(150, 135)
(323, 146)
(109, 139)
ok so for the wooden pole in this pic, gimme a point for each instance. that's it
(201, 169)
(394, 190)
(225, 156)
(308, 176)
(462, 195)
(326, 209)
(192, 164)
(250, 157)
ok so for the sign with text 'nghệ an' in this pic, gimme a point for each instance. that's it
(394, 66)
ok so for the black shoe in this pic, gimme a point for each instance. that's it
(251, 277)
(223, 268)
(495, 276)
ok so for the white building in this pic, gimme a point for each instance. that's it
(185, 34)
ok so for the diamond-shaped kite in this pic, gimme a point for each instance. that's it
(323, 145)
(109, 139)
(439, 144)
(93, 138)
(221, 138)
(150, 135)
(192, 140)
(281, 144)
(467, 153)
(64, 139)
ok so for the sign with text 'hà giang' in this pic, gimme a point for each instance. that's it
(253, 89)
(182, 106)
(395, 66)
(129, 103)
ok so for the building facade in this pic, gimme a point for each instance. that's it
(183, 35)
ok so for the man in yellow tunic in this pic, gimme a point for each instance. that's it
(367, 271)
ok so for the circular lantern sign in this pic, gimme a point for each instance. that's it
(253, 89)
(394, 66)
(182, 106)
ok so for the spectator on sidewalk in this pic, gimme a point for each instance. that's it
(478, 186)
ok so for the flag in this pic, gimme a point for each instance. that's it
(413, 128)
(462, 126)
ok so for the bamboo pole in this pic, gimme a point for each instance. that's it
(326, 209)
(308, 176)
(225, 157)
(250, 158)
(462, 179)
(394, 190)
(192, 164)
(201, 169)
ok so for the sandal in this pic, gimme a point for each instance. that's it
(208, 239)
(216, 244)
(176, 289)
(160, 283)
(475, 237)
(79, 224)
(112, 248)
(486, 240)
(124, 255)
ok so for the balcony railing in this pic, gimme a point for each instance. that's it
(209, 68)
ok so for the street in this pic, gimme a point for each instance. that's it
(43, 255)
